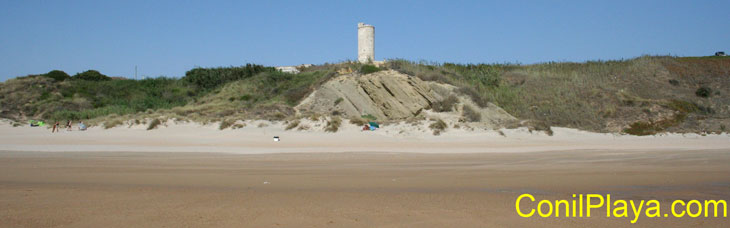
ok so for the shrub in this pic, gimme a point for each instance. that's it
(339, 100)
(294, 95)
(641, 128)
(57, 75)
(653, 127)
(91, 75)
(292, 124)
(333, 125)
(682, 106)
(314, 116)
(703, 92)
(369, 117)
(482, 102)
(367, 69)
(673, 82)
(542, 126)
(445, 105)
(226, 123)
(358, 121)
(112, 123)
(210, 78)
(153, 124)
(438, 127)
(471, 115)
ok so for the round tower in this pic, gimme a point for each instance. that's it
(365, 43)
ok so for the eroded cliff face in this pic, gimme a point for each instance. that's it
(385, 95)
(389, 95)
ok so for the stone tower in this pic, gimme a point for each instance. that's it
(365, 43)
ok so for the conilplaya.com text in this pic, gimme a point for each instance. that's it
(581, 205)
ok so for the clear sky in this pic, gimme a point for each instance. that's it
(167, 38)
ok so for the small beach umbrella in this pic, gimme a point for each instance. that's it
(374, 124)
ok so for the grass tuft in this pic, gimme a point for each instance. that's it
(438, 127)
(153, 124)
(333, 125)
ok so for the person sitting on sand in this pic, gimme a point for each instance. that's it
(82, 126)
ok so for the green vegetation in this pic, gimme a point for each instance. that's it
(112, 123)
(367, 69)
(153, 124)
(57, 75)
(91, 75)
(292, 124)
(369, 117)
(438, 127)
(445, 105)
(226, 123)
(333, 124)
(644, 95)
(595, 95)
(339, 100)
(703, 92)
(358, 121)
(211, 78)
(471, 115)
(89, 99)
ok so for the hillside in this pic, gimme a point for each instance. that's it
(645, 95)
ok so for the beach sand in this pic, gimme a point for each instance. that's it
(212, 178)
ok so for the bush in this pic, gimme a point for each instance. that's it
(369, 117)
(471, 115)
(112, 123)
(358, 121)
(91, 75)
(367, 69)
(438, 127)
(57, 75)
(210, 78)
(154, 124)
(333, 125)
(703, 92)
(445, 105)
(339, 100)
(292, 125)
(682, 106)
(482, 102)
(294, 95)
(226, 123)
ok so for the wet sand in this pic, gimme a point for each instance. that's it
(118, 189)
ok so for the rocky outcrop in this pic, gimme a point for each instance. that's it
(384, 94)
(389, 95)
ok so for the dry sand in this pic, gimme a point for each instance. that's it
(252, 139)
(460, 179)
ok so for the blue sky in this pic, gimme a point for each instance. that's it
(167, 38)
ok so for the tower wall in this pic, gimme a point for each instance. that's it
(365, 43)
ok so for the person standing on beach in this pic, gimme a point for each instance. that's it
(68, 125)
(55, 127)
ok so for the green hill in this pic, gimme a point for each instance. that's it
(645, 95)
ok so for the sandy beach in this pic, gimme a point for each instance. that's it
(242, 178)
